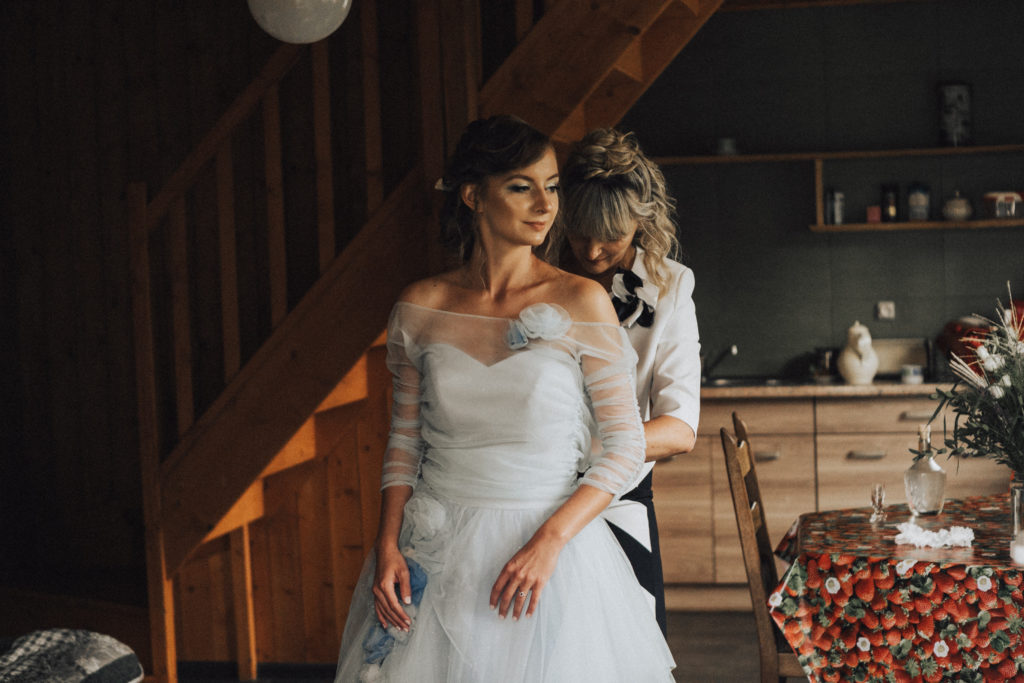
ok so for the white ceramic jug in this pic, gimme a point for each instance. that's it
(858, 361)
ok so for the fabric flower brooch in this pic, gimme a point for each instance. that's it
(633, 299)
(543, 321)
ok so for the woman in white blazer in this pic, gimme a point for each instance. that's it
(620, 232)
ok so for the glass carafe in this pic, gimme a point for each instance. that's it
(925, 480)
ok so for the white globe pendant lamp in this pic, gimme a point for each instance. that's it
(299, 21)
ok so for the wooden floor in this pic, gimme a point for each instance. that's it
(709, 647)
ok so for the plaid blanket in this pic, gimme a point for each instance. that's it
(68, 656)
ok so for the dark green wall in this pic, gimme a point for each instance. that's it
(836, 78)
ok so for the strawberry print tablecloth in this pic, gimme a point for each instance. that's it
(855, 606)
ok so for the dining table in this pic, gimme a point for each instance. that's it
(855, 605)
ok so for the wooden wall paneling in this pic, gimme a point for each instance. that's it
(92, 528)
(320, 58)
(460, 60)
(322, 634)
(298, 147)
(160, 588)
(181, 315)
(347, 115)
(228, 251)
(262, 609)
(433, 136)
(524, 18)
(372, 133)
(285, 566)
(173, 92)
(24, 102)
(205, 106)
(194, 622)
(277, 259)
(345, 511)
(220, 611)
(243, 604)
(59, 289)
(113, 124)
(372, 434)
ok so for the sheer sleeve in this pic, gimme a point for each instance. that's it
(608, 363)
(405, 448)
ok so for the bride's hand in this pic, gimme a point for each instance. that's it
(523, 578)
(391, 569)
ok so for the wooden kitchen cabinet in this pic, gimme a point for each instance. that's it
(683, 505)
(864, 441)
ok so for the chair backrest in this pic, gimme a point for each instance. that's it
(777, 660)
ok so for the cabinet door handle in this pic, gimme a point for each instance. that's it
(766, 456)
(916, 415)
(865, 455)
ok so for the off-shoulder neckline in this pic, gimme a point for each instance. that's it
(504, 318)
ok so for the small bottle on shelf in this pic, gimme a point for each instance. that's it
(834, 202)
(890, 203)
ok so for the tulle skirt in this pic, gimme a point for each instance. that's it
(593, 624)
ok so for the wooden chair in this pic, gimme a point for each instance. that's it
(777, 659)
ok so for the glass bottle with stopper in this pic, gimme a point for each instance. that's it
(925, 480)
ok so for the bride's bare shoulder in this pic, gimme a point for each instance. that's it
(585, 299)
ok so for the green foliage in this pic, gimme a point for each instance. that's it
(987, 400)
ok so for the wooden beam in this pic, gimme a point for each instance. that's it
(280, 387)
(372, 134)
(230, 331)
(160, 587)
(247, 509)
(276, 250)
(554, 68)
(322, 153)
(181, 316)
(241, 585)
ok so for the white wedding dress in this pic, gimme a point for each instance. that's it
(491, 419)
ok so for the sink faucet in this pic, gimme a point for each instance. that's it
(717, 360)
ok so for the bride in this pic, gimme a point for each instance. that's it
(488, 564)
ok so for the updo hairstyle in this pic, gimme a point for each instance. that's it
(487, 148)
(609, 185)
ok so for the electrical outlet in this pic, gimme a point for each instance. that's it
(885, 310)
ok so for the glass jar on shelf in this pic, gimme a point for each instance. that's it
(925, 480)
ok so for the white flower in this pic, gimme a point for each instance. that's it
(863, 644)
(994, 362)
(904, 566)
(545, 321)
(429, 533)
(940, 648)
(775, 599)
(1019, 348)
(1005, 381)
(984, 583)
(832, 585)
(996, 391)
(981, 352)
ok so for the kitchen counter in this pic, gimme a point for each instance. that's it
(812, 390)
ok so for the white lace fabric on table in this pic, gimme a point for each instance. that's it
(912, 534)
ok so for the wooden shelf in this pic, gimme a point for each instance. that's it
(790, 157)
(921, 225)
(819, 159)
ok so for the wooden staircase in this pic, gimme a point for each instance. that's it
(315, 394)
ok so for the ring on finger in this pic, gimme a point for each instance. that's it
(522, 594)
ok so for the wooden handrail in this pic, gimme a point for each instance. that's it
(278, 65)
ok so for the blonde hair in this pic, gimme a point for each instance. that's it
(608, 186)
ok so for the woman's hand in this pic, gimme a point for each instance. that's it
(391, 569)
(523, 578)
